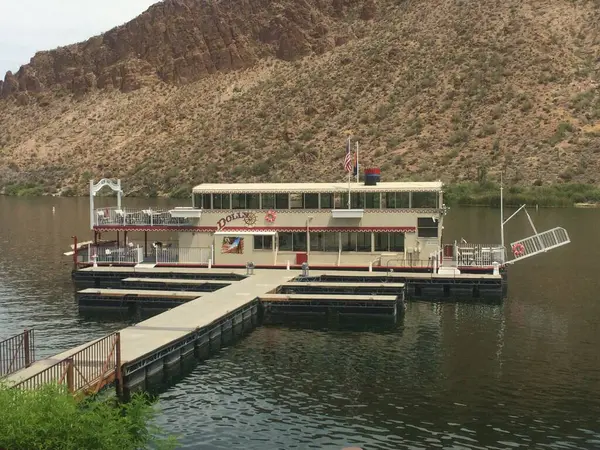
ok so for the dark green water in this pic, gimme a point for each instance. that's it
(525, 374)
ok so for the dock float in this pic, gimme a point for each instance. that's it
(128, 299)
(174, 284)
(320, 287)
(328, 304)
(112, 276)
(487, 288)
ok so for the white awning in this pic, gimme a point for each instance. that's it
(245, 233)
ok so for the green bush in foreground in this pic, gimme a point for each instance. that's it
(50, 418)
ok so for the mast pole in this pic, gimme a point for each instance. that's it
(357, 166)
(502, 215)
(349, 147)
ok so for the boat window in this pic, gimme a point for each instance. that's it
(316, 242)
(324, 242)
(389, 242)
(337, 201)
(356, 242)
(396, 200)
(263, 242)
(372, 200)
(424, 199)
(326, 201)
(299, 242)
(343, 201)
(252, 201)
(282, 201)
(296, 201)
(331, 242)
(238, 201)
(311, 201)
(268, 201)
(396, 242)
(197, 200)
(427, 227)
(295, 242)
(206, 201)
(357, 200)
(221, 201)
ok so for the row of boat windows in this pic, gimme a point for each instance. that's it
(332, 242)
(358, 200)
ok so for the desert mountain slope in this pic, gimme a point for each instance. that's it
(195, 91)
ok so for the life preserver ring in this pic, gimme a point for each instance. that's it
(271, 216)
(518, 249)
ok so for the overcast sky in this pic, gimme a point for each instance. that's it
(27, 26)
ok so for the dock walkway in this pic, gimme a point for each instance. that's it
(145, 338)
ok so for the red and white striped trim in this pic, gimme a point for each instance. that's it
(325, 229)
(258, 229)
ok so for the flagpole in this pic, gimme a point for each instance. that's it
(349, 173)
(357, 165)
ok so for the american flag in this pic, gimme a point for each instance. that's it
(348, 158)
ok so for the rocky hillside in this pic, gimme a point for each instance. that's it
(216, 90)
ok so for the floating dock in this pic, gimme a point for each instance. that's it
(113, 276)
(174, 284)
(386, 306)
(129, 299)
(224, 304)
(157, 345)
(487, 288)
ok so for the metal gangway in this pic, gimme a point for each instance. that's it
(537, 243)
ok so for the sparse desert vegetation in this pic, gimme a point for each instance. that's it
(444, 89)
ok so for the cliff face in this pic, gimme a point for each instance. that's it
(257, 90)
(180, 41)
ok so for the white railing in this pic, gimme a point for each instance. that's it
(137, 217)
(115, 255)
(183, 255)
(466, 254)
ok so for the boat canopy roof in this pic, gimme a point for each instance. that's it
(250, 188)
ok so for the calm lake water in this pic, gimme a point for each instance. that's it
(525, 374)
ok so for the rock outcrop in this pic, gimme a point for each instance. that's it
(180, 41)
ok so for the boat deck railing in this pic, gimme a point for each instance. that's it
(134, 254)
(468, 254)
(471, 255)
(138, 217)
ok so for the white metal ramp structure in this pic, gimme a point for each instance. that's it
(536, 244)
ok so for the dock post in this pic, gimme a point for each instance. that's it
(118, 369)
(75, 255)
(305, 269)
(26, 348)
(288, 265)
(70, 376)
(209, 263)
(371, 267)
